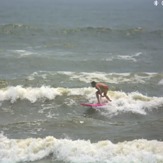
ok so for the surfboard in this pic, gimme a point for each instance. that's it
(92, 105)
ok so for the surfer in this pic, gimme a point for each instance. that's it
(102, 90)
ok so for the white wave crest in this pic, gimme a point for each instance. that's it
(80, 151)
(87, 77)
(122, 102)
(31, 94)
(160, 82)
(133, 102)
(132, 58)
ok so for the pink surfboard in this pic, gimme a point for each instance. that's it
(92, 105)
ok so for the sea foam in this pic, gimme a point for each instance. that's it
(80, 151)
(133, 102)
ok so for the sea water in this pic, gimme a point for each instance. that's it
(50, 51)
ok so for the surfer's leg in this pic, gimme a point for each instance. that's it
(97, 95)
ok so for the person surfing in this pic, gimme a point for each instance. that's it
(102, 90)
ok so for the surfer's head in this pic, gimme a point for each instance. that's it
(93, 83)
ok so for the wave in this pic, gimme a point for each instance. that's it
(160, 82)
(130, 32)
(133, 102)
(80, 151)
(31, 94)
(113, 78)
(94, 31)
(10, 29)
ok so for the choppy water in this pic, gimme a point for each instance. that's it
(50, 51)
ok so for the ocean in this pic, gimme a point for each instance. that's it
(50, 52)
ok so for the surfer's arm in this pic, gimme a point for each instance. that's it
(99, 91)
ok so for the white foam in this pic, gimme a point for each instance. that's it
(111, 77)
(35, 93)
(80, 151)
(87, 77)
(31, 94)
(127, 58)
(22, 53)
(133, 102)
(160, 82)
(132, 58)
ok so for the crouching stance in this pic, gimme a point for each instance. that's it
(102, 90)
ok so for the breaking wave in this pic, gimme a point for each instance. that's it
(80, 151)
(133, 102)
(86, 77)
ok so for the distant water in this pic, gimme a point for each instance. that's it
(50, 51)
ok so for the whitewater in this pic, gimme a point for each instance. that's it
(50, 52)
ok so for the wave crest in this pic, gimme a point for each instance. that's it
(130, 32)
(122, 102)
(80, 151)
(16, 28)
(90, 31)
